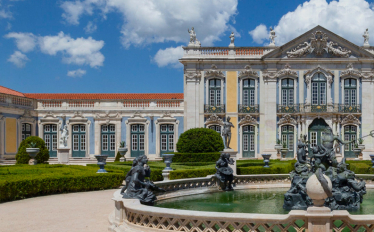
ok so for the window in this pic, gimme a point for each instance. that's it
(50, 139)
(350, 91)
(319, 89)
(26, 130)
(287, 137)
(287, 92)
(137, 140)
(216, 128)
(166, 138)
(215, 92)
(108, 140)
(249, 92)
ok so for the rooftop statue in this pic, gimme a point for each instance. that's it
(137, 186)
(64, 137)
(272, 37)
(366, 38)
(347, 192)
(225, 173)
(226, 133)
(232, 39)
(192, 35)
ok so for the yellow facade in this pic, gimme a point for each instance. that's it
(11, 135)
(232, 105)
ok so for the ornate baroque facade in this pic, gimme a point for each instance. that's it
(316, 80)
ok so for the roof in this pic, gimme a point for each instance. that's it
(6, 90)
(106, 96)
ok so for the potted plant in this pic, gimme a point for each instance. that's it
(278, 146)
(360, 144)
(32, 150)
(356, 151)
(122, 149)
(284, 150)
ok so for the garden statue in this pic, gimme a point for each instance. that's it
(137, 186)
(272, 37)
(64, 137)
(226, 133)
(366, 38)
(347, 192)
(225, 174)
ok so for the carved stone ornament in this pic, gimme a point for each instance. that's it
(214, 72)
(286, 71)
(248, 119)
(247, 72)
(78, 114)
(350, 119)
(214, 119)
(137, 115)
(350, 71)
(309, 74)
(27, 116)
(287, 119)
(50, 114)
(318, 45)
(193, 75)
(107, 115)
(166, 114)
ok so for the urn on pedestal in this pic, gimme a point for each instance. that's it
(32, 151)
(101, 161)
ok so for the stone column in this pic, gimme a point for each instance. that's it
(192, 99)
(367, 116)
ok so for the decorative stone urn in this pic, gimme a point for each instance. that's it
(266, 159)
(357, 152)
(167, 160)
(122, 151)
(315, 190)
(361, 146)
(284, 152)
(32, 151)
(101, 161)
(372, 159)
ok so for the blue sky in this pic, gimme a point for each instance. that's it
(132, 46)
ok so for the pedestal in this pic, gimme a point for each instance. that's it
(233, 155)
(63, 155)
(165, 174)
(319, 219)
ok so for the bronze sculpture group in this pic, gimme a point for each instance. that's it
(347, 192)
(225, 174)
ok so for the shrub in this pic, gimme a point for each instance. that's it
(200, 140)
(23, 157)
(275, 168)
(195, 157)
(191, 173)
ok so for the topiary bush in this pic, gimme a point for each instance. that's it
(118, 156)
(200, 140)
(23, 158)
(195, 157)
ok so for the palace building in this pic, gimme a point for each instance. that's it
(315, 81)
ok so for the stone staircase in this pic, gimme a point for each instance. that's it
(7, 162)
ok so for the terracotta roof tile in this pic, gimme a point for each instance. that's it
(106, 96)
(6, 90)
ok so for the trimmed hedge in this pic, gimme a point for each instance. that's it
(195, 157)
(360, 167)
(283, 167)
(21, 181)
(23, 157)
(200, 140)
(118, 156)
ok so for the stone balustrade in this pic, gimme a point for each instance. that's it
(240, 52)
(14, 101)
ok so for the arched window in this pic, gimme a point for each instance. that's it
(216, 128)
(319, 89)
(350, 91)
(287, 92)
(215, 92)
(248, 92)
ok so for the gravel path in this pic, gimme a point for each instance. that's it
(84, 211)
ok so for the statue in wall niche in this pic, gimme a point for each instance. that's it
(225, 174)
(64, 136)
(137, 186)
(226, 133)
(347, 192)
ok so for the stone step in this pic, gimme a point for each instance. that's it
(7, 162)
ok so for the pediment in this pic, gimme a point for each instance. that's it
(318, 43)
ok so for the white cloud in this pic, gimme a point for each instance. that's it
(169, 56)
(347, 18)
(79, 51)
(5, 14)
(76, 73)
(259, 34)
(148, 21)
(19, 59)
(90, 28)
(25, 42)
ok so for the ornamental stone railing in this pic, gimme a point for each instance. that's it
(214, 108)
(14, 101)
(239, 52)
(248, 108)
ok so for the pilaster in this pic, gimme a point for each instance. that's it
(192, 99)
(367, 116)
